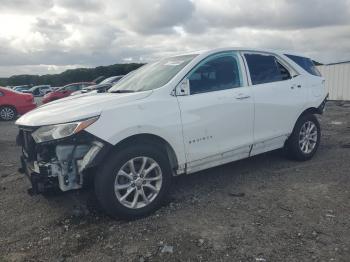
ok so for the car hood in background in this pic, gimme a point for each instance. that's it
(77, 107)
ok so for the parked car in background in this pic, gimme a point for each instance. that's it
(39, 90)
(65, 91)
(21, 88)
(13, 103)
(102, 87)
(178, 115)
(99, 79)
(111, 80)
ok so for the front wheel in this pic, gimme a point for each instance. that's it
(133, 182)
(305, 138)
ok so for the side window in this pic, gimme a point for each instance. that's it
(44, 90)
(216, 74)
(265, 69)
(1, 94)
(305, 63)
(284, 71)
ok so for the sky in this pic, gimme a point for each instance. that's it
(50, 36)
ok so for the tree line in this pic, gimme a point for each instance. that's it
(70, 76)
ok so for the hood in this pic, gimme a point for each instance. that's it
(77, 107)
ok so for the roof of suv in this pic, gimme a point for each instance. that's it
(216, 50)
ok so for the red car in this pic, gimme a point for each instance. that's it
(65, 91)
(13, 103)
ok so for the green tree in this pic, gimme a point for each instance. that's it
(70, 76)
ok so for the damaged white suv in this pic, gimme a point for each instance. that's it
(175, 116)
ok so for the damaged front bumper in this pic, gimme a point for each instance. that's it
(60, 163)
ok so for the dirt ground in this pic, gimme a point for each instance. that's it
(265, 208)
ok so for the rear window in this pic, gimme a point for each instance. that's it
(305, 63)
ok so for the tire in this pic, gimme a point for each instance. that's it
(305, 138)
(7, 113)
(110, 175)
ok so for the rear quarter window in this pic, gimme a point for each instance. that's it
(305, 63)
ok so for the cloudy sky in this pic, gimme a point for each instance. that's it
(49, 36)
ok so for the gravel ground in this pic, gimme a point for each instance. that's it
(265, 208)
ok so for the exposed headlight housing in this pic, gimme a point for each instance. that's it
(53, 132)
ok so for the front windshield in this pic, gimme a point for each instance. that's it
(153, 75)
(35, 87)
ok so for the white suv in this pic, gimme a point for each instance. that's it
(175, 116)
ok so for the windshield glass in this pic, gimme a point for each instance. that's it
(153, 75)
(33, 88)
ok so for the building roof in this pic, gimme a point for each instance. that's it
(337, 63)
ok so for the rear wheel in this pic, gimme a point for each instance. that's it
(133, 182)
(305, 139)
(7, 113)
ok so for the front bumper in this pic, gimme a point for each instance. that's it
(322, 106)
(58, 164)
(39, 182)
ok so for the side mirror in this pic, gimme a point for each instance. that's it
(183, 88)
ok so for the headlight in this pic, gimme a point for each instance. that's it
(52, 132)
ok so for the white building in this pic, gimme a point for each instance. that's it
(337, 77)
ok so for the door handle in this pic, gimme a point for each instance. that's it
(242, 96)
(293, 86)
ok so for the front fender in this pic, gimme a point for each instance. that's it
(158, 117)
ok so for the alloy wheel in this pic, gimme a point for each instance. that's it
(308, 137)
(7, 113)
(138, 182)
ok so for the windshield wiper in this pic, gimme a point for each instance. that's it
(122, 91)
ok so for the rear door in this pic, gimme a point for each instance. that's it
(218, 113)
(279, 98)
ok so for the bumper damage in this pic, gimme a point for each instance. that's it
(59, 164)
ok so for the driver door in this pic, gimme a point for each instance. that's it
(217, 114)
